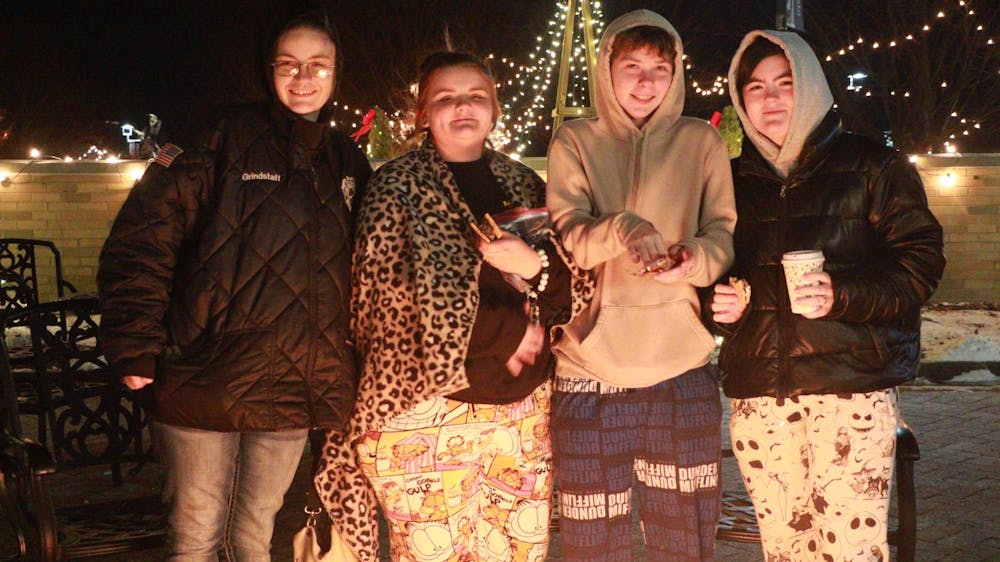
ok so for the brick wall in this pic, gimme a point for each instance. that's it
(73, 204)
(70, 203)
(964, 193)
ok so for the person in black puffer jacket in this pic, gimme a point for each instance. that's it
(814, 402)
(225, 284)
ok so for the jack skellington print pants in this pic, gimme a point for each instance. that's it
(818, 469)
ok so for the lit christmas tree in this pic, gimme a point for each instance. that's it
(569, 43)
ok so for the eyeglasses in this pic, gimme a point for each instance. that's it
(314, 69)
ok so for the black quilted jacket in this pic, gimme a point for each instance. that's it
(226, 276)
(864, 205)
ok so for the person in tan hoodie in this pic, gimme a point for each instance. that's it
(643, 198)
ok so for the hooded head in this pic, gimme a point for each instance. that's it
(778, 116)
(638, 108)
(304, 34)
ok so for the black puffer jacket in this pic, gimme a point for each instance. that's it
(226, 276)
(864, 206)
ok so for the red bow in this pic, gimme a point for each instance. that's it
(366, 125)
(716, 119)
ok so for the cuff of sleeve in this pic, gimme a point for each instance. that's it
(142, 366)
(840, 298)
(698, 260)
(626, 222)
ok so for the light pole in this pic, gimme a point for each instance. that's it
(790, 16)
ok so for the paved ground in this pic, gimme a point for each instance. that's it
(958, 484)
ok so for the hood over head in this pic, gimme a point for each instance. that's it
(813, 99)
(309, 14)
(609, 112)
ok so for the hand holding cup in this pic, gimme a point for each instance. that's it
(816, 297)
(809, 287)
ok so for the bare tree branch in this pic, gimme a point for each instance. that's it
(925, 86)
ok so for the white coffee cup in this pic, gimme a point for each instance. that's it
(796, 264)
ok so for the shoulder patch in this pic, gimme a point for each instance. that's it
(165, 157)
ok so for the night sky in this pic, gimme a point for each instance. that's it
(69, 70)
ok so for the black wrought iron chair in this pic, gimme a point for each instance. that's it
(739, 522)
(22, 262)
(30, 273)
(96, 425)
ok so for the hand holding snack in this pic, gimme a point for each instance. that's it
(505, 251)
(487, 230)
(661, 264)
(682, 259)
(730, 300)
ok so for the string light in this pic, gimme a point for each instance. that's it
(135, 174)
(939, 18)
(525, 89)
(941, 14)
(99, 154)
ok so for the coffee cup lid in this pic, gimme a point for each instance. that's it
(802, 255)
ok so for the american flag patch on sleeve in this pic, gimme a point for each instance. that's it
(165, 157)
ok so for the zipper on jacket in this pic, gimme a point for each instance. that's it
(313, 302)
(784, 305)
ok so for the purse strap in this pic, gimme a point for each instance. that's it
(314, 507)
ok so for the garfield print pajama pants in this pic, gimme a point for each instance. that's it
(465, 482)
(665, 439)
(818, 469)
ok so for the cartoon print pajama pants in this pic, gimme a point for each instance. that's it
(465, 482)
(818, 469)
(667, 437)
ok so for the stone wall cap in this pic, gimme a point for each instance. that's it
(60, 167)
(960, 160)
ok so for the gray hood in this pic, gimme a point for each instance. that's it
(813, 99)
(610, 114)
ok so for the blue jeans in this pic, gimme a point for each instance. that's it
(224, 490)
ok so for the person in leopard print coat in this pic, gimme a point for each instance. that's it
(449, 436)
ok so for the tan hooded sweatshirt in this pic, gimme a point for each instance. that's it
(813, 99)
(606, 177)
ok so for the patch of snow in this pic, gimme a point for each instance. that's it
(960, 335)
(974, 377)
(975, 348)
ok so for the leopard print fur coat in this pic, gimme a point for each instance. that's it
(415, 298)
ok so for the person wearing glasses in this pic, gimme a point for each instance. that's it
(225, 286)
